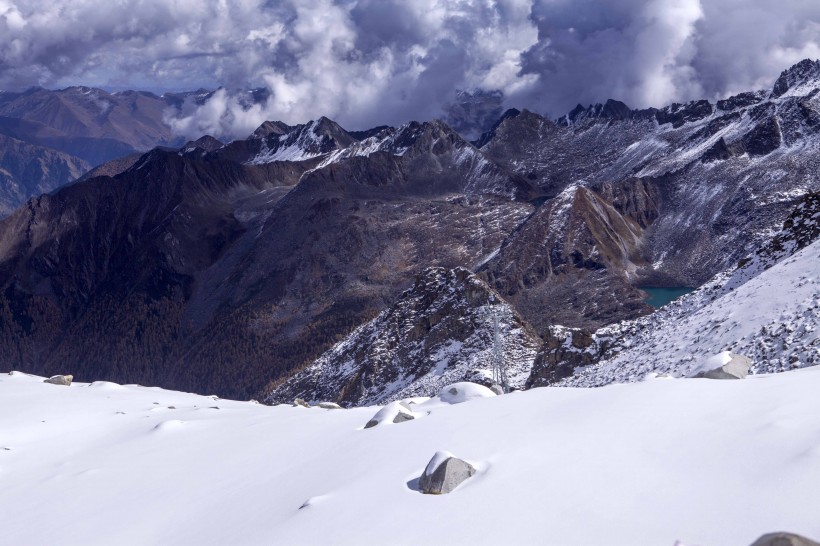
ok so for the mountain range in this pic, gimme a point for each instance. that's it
(358, 266)
(50, 138)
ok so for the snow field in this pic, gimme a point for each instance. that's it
(702, 461)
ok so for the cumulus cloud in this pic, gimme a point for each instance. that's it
(369, 62)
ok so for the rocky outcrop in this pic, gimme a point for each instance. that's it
(276, 141)
(806, 71)
(564, 350)
(677, 114)
(202, 146)
(444, 473)
(741, 100)
(764, 138)
(611, 110)
(582, 242)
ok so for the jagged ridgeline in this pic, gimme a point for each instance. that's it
(228, 268)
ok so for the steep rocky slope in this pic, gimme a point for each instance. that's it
(721, 176)
(27, 169)
(440, 331)
(766, 308)
(193, 270)
(229, 268)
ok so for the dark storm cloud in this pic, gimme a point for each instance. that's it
(368, 62)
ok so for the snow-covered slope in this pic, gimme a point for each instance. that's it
(713, 463)
(768, 309)
(438, 332)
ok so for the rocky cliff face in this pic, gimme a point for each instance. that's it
(438, 332)
(573, 260)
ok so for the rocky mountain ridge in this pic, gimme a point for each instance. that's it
(52, 137)
(716, 316)
(230, 268)
(440, 331)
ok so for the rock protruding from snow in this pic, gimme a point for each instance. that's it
(784, 539)
(726, 365)
(394, 412)
(60, 380)
(444, 473)
(464, 392)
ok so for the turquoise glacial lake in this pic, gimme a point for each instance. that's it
(658, 297)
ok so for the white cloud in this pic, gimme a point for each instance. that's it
(367, 62)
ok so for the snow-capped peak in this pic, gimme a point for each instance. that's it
(281, 142)
(798, 79)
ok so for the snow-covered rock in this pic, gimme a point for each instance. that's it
(725, 365)
(64, 380)
(444, 473)
(394, 412)
(784, 539)
(465, 391)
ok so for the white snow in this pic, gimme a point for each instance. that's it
(712, 363)
(704, 462)
(464, 391)
(437, 461)
(388, 413)
(771, 316)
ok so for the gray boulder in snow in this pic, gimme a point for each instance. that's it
(60, 380)
(394, 412)
(784, 539)
(497, 389)
(725, 365)
(444, 473)
(329, 405)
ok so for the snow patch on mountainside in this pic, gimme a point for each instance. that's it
(286, 148)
